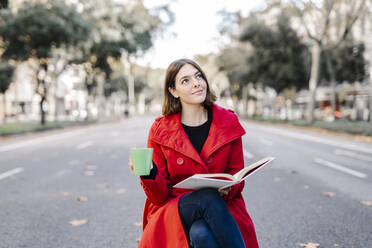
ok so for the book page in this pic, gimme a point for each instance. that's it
(222, 176)
(251, 168)
(199, 183)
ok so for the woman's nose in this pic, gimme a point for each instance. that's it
(195, 82)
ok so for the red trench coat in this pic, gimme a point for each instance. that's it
(176, 160)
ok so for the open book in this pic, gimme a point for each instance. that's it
(221, 180)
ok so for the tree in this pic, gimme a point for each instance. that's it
(35, 30)
(278, 59)
(4, 4)
(327, 24)
(6, 76)
(122, 32)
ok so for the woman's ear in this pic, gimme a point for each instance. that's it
(173, 92)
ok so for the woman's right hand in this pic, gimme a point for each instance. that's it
(130, 164)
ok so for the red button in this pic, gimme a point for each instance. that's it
(179, 161)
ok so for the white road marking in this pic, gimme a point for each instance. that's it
(340, 168)
(302, 136)
(353, 155)
(84, 145)
(36, 141)
(248, 154)
(10, 173)
(266, 142)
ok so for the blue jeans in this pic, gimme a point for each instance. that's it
(207, 221)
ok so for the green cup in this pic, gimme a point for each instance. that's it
(141, 160)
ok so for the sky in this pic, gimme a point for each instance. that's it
(194, 31)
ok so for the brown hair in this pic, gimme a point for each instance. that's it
(171, 104)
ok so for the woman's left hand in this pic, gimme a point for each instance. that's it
(224, 192)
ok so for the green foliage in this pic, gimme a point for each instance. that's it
(6, 76)
(4, 4)
(37, 28)
(348, 62)
(279, 59)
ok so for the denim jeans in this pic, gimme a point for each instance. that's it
(207, 221)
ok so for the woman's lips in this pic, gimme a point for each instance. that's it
(198, 92)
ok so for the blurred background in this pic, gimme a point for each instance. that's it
(303, 62)
(297, 72)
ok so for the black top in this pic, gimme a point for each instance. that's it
(199, 134)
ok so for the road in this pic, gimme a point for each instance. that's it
(73, 188)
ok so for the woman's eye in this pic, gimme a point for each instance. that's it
(199, 76)
(185, 81)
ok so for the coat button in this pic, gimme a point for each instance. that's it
(209, 160)
(179, 161)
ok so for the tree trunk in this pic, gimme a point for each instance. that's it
(370, 100)
(245, 94)
(4, 108)
(332, 74)
(42, 90)
(315, 62)
(42, 112)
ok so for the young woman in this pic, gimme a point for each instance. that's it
(194, 135)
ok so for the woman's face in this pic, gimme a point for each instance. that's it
(189, 86)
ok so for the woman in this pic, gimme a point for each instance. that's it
(194, 136)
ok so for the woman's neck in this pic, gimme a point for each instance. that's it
(194, 115)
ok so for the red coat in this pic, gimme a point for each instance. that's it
(176, 160)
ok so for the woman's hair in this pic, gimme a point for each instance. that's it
(173, 105)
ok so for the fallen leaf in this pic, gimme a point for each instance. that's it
(309, 245)
(329, 194)
(367, 203)
(120, 191)
(89, 173)
(277, 179)
(78, 222)
(293, 172)
(65, 193)
(82, 198)
(137, 223)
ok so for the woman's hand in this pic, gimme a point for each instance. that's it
(130, 164)
(224, 192)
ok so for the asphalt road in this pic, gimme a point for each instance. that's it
(73, 188)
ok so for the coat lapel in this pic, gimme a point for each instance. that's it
(225, 128)
(171, 134)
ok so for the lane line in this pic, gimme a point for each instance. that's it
(353, 155)
(10, 173)
(301, 136)
(36, 141)
(84, 145)
(339, 167)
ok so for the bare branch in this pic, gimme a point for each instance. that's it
(328, 9)
(352, 17)
(300, 15)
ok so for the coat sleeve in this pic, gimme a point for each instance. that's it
(235, 164)
(157, 190)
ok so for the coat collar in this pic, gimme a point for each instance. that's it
(225, 127)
